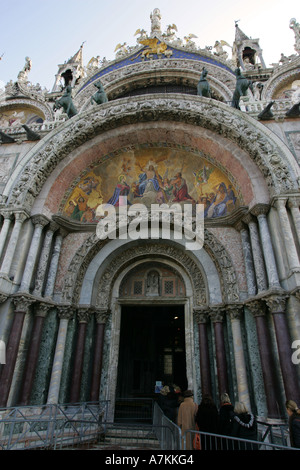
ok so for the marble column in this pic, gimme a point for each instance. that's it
(293, 204)
(65, 313)
(202, 318)
(39, 222)
(20, 217)
(258, 259)
(54, 264)
(288, 239)
(235, 313)
(258, 310)
(260, 211)
(7, 215)
(248, 258)
(277, 306)
(22, 305)
(101, 317)
(42, 267)
(41, 311)
(217, 316)
(83, 314)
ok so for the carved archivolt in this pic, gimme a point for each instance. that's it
(120, 81)
(80, 262)
(268, 152)
(282, 76)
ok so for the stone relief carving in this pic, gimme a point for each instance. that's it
(83, 257)
(225, 82)
(248, 134)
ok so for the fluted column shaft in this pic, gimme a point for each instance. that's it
(4, 230)
(84, 316)
(293, 204)
(53, 266)
(39, 222)
(65, 313)
(286, 231)
(235, 313)
(267, 361)
(257, 254)
(277, 304)
(98, 354)
(22, 304)
(205, 373)
(248, 259)
(260, 211)
(33, 353)
(20, 217)
(217, 316)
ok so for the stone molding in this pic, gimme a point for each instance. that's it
(267, 151)
(86, 253)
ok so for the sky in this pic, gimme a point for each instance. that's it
(51, 31)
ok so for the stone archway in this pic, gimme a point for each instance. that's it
(269, 153)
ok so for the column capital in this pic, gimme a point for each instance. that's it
(294, 202)
(21, 215)
(240, 225)
(53, 226)
(260, 209)
(40, 219)
(276, 302)
(216, 313)
(66, 311)
(6, 213)
(248, 218)
(279, 201)
(101, 314)
(256, 307)
(84, 313)
(42, 308)
(22, 302)
(201, 314)
(296, 292)
(3, 297)
(235, 311)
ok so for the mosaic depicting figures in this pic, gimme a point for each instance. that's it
(18, 116)
(151, 176)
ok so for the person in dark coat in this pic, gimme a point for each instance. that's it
(207, 419)
(294, 423)
(244, 427)
(168, 402)
(226, 415)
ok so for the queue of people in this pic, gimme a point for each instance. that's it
(228, 421)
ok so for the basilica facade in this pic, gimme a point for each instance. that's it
(85, 317)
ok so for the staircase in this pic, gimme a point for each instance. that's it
(124, 437)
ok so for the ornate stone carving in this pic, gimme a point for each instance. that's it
(217, 313)
(270, 156)
(66, 312)
(23, 302)
(276, 302)
(235, 311)
(84, 314)
(256, 307)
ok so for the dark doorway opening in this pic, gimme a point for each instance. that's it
(152, 350)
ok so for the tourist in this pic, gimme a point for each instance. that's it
(226, 414)
(244, 427)
(186, 416)
(294, 423)
(207, 419)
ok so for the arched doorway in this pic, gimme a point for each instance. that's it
(152, 347)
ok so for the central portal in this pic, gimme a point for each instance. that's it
(152, 349)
